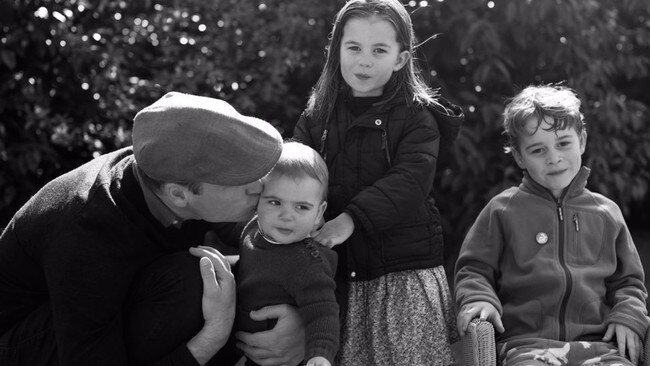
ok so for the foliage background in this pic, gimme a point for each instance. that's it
(74, 73)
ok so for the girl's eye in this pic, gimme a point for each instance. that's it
(354, 48)
(274, 203)
(536, 151)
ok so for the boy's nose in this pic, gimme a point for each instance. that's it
(554, 158)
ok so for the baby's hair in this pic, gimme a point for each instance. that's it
(537, 102)
(408, 78)
(298, 161)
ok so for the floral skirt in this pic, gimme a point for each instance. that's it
(402, 318)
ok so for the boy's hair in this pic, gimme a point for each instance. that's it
(299, 161)
(537, 102)
(408, 78)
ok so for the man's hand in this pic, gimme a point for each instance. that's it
(481, 309)
(626, 339)
(218, 304)
(282, 345)
(335, 231)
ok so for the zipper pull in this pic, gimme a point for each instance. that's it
(322, 144)
(559, 212)
(575, 221)
(384, 146)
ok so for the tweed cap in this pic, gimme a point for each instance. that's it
(187, 138)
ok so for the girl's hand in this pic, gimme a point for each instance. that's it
(335, 231)
(318, 361)
(627, 339)
(481, 309)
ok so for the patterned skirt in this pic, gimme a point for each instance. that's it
(402, 318)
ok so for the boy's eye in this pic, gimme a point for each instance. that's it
(274, 202)
(380, 50)
(536, 151)
(565, 143)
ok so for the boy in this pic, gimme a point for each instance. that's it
(550, 263)
(279, 263)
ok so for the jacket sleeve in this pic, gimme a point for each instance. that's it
(477, 267)
(408, 181)
(87, 290)
(626, 291)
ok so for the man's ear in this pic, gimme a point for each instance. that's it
(518, 159)
(402, 59)
(176, 194)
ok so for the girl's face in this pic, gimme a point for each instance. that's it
(369, 55)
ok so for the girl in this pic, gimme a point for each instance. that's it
(380, 130)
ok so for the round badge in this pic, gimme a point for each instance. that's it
(541, 238)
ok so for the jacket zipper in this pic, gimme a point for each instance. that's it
(567, 274)
(384, 146)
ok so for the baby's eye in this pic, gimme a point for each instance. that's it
(304, 207)
(380, 50)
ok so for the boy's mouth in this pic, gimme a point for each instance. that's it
(557, 172)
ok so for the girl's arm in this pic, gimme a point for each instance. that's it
(407, 183)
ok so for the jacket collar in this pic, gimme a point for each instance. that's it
(575, 188)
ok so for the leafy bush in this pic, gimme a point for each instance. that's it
(75, 72)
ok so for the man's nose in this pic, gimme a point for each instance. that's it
(254, 188)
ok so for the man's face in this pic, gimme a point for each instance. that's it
(290, 208)
(218, 203)
(552, 158)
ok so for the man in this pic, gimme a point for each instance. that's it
(95, 269)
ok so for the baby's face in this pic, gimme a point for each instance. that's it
(552, 158)
(289, 208)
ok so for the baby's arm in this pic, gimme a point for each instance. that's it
(626, 339)
(318, 361)
(484, 310)
(335, 231)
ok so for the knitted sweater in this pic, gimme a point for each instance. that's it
(300, 274)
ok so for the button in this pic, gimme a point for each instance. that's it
(378, 122)
(541, 238)
(314, 254)
(353, 274)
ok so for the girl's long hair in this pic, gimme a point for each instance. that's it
(408, 78)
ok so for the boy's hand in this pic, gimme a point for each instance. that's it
(282, 345)
(627, 340)
(318, 361)
(481, 309)
(335, 231)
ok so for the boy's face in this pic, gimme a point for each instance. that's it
(552, 158)
(289, 208)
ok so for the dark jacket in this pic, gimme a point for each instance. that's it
(77, 245)
(556, 269)
(382, 165)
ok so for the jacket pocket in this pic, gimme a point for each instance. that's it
(586, 235)
(405, 243)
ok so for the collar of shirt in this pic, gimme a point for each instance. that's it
(156, 206)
